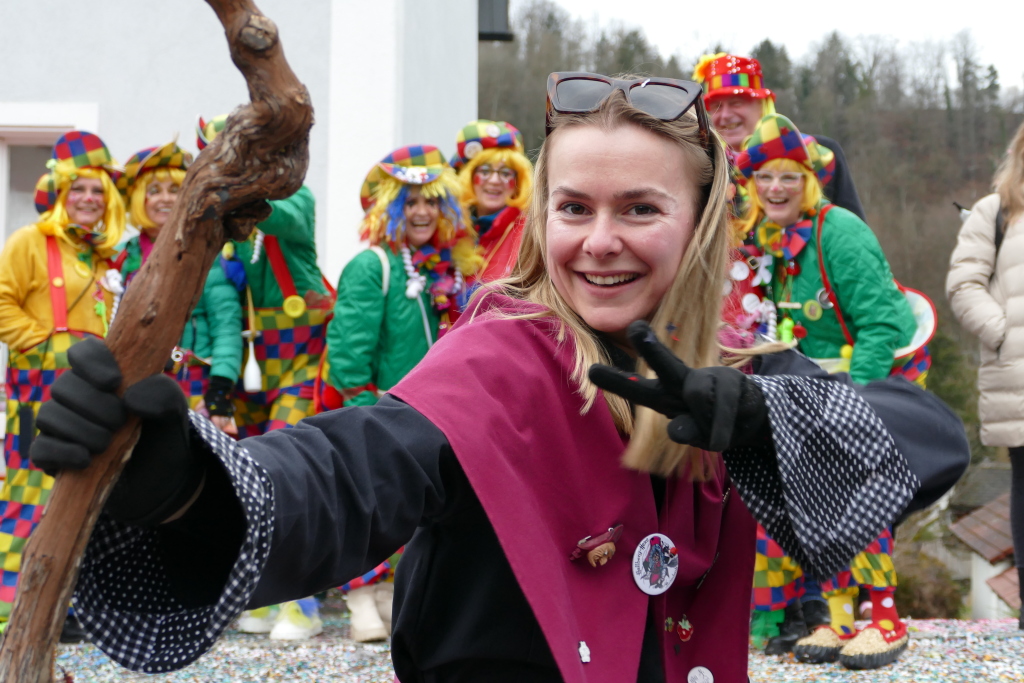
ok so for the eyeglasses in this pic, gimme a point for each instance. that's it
(666, 99)
(789, 180)
(504, 173)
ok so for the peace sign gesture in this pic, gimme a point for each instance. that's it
(714, 408)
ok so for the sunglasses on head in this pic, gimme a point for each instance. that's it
(666, 99)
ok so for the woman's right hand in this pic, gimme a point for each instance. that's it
(82, 415)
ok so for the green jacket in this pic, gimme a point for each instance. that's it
(293, 222)
(373, 338)
(214, 330)
(875, 311)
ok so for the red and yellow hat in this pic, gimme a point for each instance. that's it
(476, 136)
(723, 75)
(411, 165)
(206, 131)
(167, 156)
(776, 137)
(72, 151)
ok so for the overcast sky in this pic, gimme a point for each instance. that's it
(686, 27)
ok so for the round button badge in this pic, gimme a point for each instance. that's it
(700, 674)
(655, 564)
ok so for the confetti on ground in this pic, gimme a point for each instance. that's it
(248, 658)
(943, 650)
(946, 650)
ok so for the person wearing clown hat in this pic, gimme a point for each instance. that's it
(55, 290)
(208, 360)
(736, 97)
(830, 289)
(395, 299)
(286, 303)
(496, 182)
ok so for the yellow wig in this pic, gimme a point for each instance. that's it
(515, 160)
(56, 220)
(137, 200)
(384, 222)
(755, 208)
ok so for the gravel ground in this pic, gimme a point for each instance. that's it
(940, 650)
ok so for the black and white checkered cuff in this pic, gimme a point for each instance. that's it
(834, 479)
(123, 598)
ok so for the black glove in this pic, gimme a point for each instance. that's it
(713, 408)
(82, 416)
(218, 396)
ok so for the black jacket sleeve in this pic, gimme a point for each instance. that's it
(840, 190)
(281, 517)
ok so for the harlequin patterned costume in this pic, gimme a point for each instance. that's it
(211, 343)
(286, 304)
(54, 291)
(486, 143)
(725, 75)
(859, 299)
(393, 304)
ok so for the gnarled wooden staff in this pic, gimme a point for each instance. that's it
(261, 154)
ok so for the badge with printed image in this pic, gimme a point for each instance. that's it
(655, 564)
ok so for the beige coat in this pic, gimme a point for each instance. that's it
(993, 310)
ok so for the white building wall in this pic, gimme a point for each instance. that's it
(381, 73)
(985, 604)
(403, 72)
(150, 68)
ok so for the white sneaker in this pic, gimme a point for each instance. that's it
(258, 620)
(384, 595)
(367, 626)
(294, 624)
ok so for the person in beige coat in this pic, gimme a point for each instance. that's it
(985, 286)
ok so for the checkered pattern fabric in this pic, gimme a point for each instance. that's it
(873, 567)
(121, 579)
(776, 137)
(915, 368)
(264, 411)
(412, 165)
(288, 349)
(778, 580)
(722, 75)
(26, 489)
(193, 378)
(821, 522)
(206, 131)
(477, 136)
(74, 150)
(167, 156)
(383, 572)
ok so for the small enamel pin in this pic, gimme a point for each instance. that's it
(584, 652)
(599, 549)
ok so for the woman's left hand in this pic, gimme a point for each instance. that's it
(714, 408)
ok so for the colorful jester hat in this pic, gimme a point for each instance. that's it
(476, 136)
(206, 131)
(775, 137)
(73, 151)
(149, 159)
(386, 189)
(723, 75)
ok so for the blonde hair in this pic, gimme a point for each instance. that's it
(56, 220)
(384, 222)
(1009, 178)
(755, 208)
(511, 158)
(694, 297)
(137, 199)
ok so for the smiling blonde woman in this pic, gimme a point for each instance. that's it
(532, 552)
